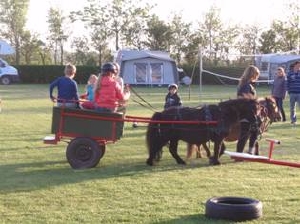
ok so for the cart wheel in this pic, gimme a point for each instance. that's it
(84, 153)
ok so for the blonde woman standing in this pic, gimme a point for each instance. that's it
(246, 88)
(279, 90)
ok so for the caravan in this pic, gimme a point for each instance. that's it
(8, 74)
(268, 64)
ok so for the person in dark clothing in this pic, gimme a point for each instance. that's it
(279, 90)
(293, 88)
(172, 98)
(67, 89)
(246, 88)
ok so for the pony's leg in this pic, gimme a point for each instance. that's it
(223, 147)
(190, 149)
(158, 155)
(214, 160)
(206, 149)
(198, 151)
(151, 158)
(154, 151)
(173, 151)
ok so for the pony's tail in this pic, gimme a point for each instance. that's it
(153, 130)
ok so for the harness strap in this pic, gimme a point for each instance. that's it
(207, 113)
(152, 108)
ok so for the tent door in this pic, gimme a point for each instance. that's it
(148, 73)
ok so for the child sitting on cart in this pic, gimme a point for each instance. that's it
(89, 93)
(108, 92)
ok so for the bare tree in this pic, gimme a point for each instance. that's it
(58, 33)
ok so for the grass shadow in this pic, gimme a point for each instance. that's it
(31, 176)
(190, 219)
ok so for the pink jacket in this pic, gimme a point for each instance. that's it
(110, 93)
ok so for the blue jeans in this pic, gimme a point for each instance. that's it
(279, 103)
(294, 98)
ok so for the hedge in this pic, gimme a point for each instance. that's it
(47, 73)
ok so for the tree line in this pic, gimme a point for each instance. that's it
(132, 25)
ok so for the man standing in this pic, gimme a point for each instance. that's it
(293, 88)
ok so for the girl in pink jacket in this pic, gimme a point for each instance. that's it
(108, 92)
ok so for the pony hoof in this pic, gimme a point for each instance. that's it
(149, 162)
(214, 162)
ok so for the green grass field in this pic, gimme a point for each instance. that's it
(38, 186)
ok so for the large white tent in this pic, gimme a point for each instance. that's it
(147, 67)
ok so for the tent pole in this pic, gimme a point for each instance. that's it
(200, 69)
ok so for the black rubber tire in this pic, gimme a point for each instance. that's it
(233, 208)
(84, 153)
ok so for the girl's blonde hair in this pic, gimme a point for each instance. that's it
(98, 83)
(117, 67)
(70, 69)
(92, 76)
(249, 73)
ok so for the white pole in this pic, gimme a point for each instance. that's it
(200, 70)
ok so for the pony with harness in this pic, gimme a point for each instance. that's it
(197, 126)
(269, 113)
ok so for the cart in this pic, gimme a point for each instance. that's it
(87, 132)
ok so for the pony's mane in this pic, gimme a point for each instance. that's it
(238, 101)
(268, 98)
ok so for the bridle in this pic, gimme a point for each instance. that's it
(266, 114)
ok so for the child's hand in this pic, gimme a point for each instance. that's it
(83, 96)
(127, 88)
(53, 99)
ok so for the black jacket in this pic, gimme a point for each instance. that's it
(172, 100)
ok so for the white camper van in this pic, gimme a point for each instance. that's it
(8, 74)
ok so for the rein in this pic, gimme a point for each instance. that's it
(266, 121)
(148, 105)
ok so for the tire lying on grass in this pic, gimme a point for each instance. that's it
(84, 153)
(233, 208)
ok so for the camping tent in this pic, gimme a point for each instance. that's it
(147, 67)
(268, 63)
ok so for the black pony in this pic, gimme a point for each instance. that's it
(197, 126)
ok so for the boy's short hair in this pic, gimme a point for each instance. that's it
(70, 69)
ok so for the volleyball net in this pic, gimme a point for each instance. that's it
(228, 80)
